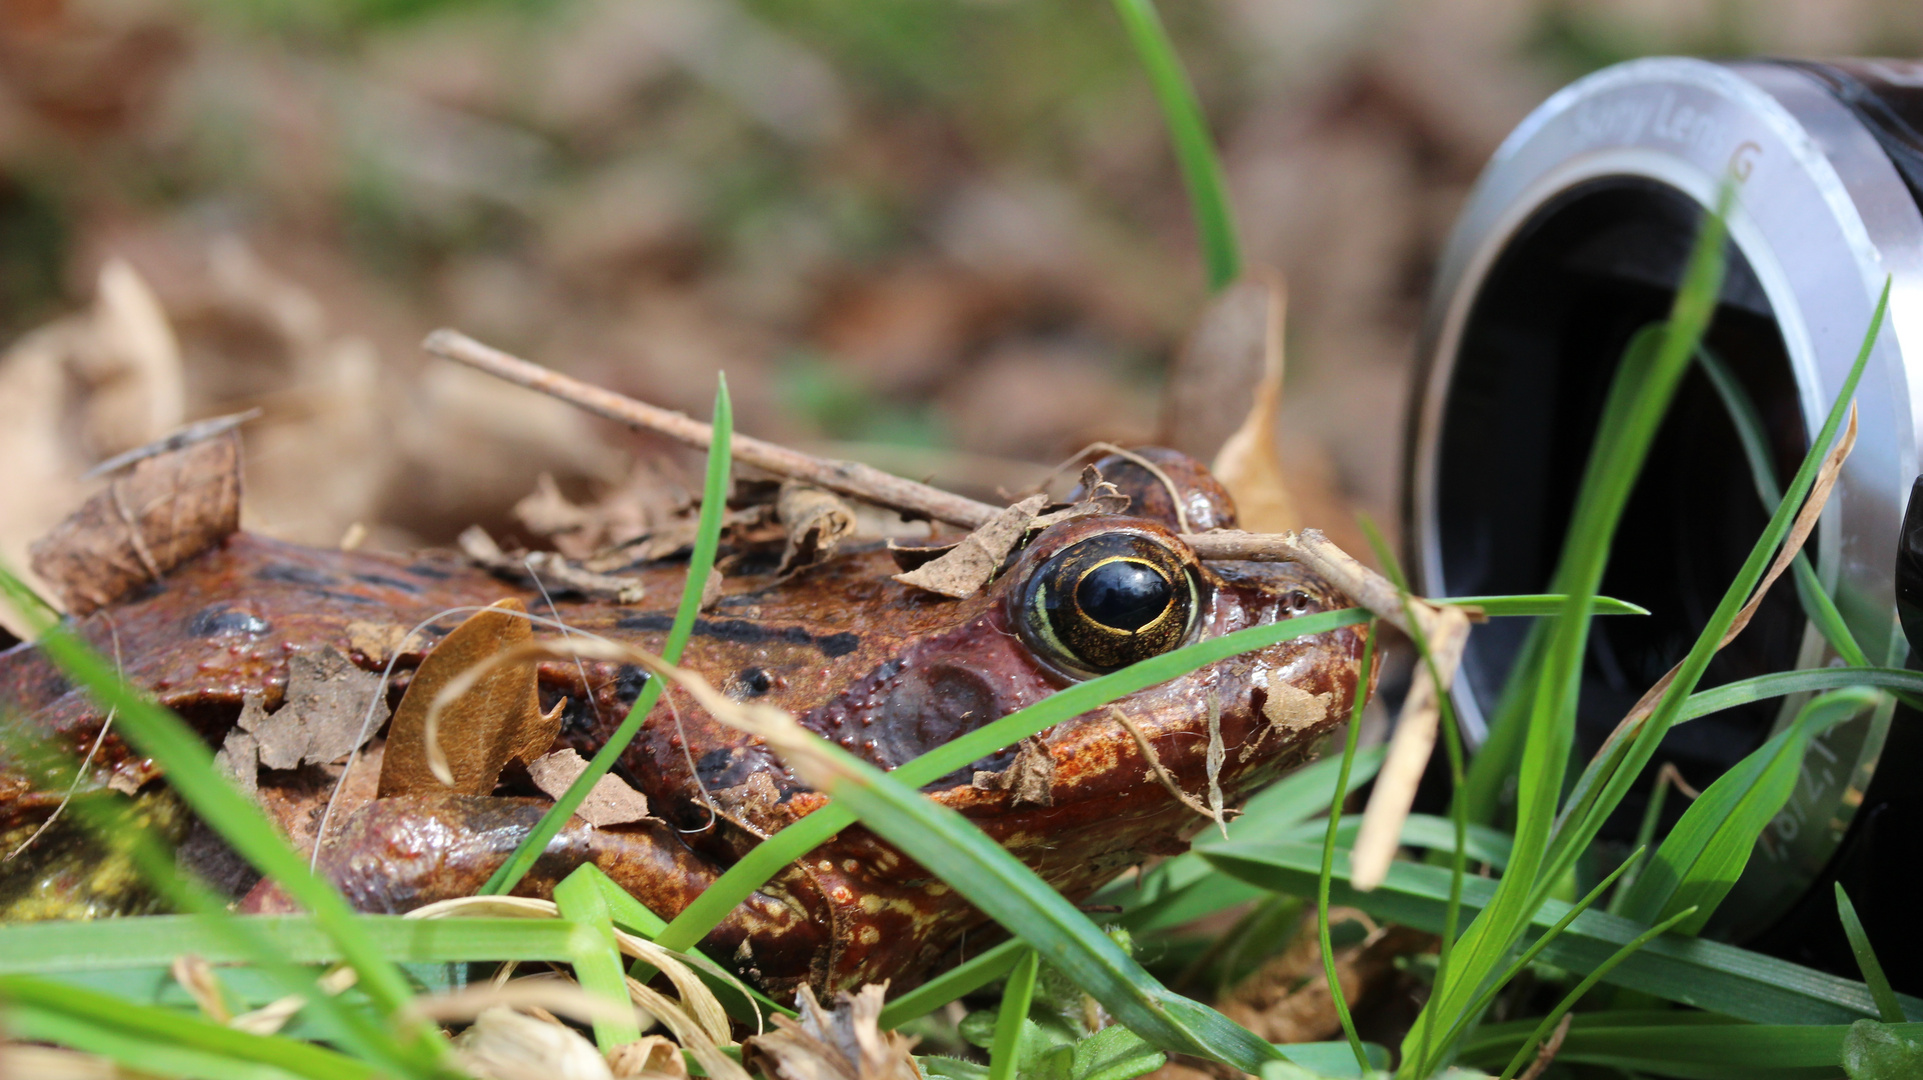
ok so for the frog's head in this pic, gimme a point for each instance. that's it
(1083, 597)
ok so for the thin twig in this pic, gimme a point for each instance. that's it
(1155, 764)
(1546, 1053)
(844, 477)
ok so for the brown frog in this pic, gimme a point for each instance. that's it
(886, 670)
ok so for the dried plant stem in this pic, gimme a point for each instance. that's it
(844, 477)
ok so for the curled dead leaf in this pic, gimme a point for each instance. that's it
(846, 1043)
(476, 732)
(168, 508)
(816, 522)
(547, 569)
(652, 1057)
(976, 560)
(503, 1044)
(1248, 464)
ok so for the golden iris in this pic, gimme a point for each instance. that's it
(1108, 601)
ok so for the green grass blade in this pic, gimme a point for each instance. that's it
(165, 1026)
(1328, 855)
(1692, 1045)
(141, 1057)
(189, 767)
(1754, 437)
(1189, 133)
(1473, 1014)
(1887, 1005)
(1784, 683)
(1004, 1057)
(1604, 782)
(1589, 981)
(597, 959)
(1538, 604)
(1705, 974)
(951, 985)
(954, 850)
(765, 860)
(707, 537)
(1700, 860)
(155, 940)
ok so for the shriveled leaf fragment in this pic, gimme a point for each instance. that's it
(1873, 1051)
(816, 522)
(498, 719)
(506, 1045)
(611, 802)
(1030, 778)
(51, 1063)
(975, 561)
(239, 760)
(321, 720)
(376, 641)
(651, 1057)
(548, 569)
(1097, 496)
(162, 512)
(1247, 463)
(845, 1044)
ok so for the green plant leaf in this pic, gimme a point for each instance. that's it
(31, 1003)
(1189, 133)
(1700, 860)
(1785, 683)
(1694, 1046)
(1588, 982)
(1115, 1053)
(597, 959)
(1887, 1005)
(953, 849)
(951, 985)
(1341, 792)
(1538, 604)
(707, 537)
(1005, 1055)
(1705, 974)
(1873, 1051)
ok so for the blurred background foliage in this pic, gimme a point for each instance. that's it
(944, 235)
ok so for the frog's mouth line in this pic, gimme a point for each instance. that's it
(743, 632)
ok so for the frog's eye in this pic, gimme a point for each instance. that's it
(1108, 600)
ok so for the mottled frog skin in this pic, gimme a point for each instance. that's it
(886, 670)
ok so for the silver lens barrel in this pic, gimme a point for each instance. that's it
(1574, 238)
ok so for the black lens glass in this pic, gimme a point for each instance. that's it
(1123, 594)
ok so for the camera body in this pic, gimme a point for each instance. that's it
(1575, 237)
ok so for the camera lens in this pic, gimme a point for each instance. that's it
(1575, 239)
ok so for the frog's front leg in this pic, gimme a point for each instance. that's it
(396, 854)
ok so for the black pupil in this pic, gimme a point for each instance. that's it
(1123, 594)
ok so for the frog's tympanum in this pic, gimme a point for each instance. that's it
(884, 669)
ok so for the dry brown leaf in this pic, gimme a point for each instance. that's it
(1247, 463)
(196, 976)
(239, 759)
(503, 1044)
(651, 1057)
(376, 641)
(165, 510)
(324, 716)
(1030, 778)
(975, 561)
(49, 1063)
(480, 731)
(816, 522)
(845, 1044)
(1217, 369)
(611, 802)
(1287, 999)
